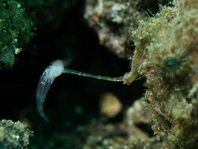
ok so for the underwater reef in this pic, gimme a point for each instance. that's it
(154, 105)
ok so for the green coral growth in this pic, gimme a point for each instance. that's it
(15, 31)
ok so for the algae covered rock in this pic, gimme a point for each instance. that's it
(14, 135)
(15, 31)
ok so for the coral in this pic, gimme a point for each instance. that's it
(117, 136)
(14, 135)
(115, 20)
(15, 31)
(166, 54)
(112, 24)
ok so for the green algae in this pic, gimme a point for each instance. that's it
(15, 31)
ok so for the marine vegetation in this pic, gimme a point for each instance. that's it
(15, 31)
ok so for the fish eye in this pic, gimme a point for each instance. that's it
(172, 63)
